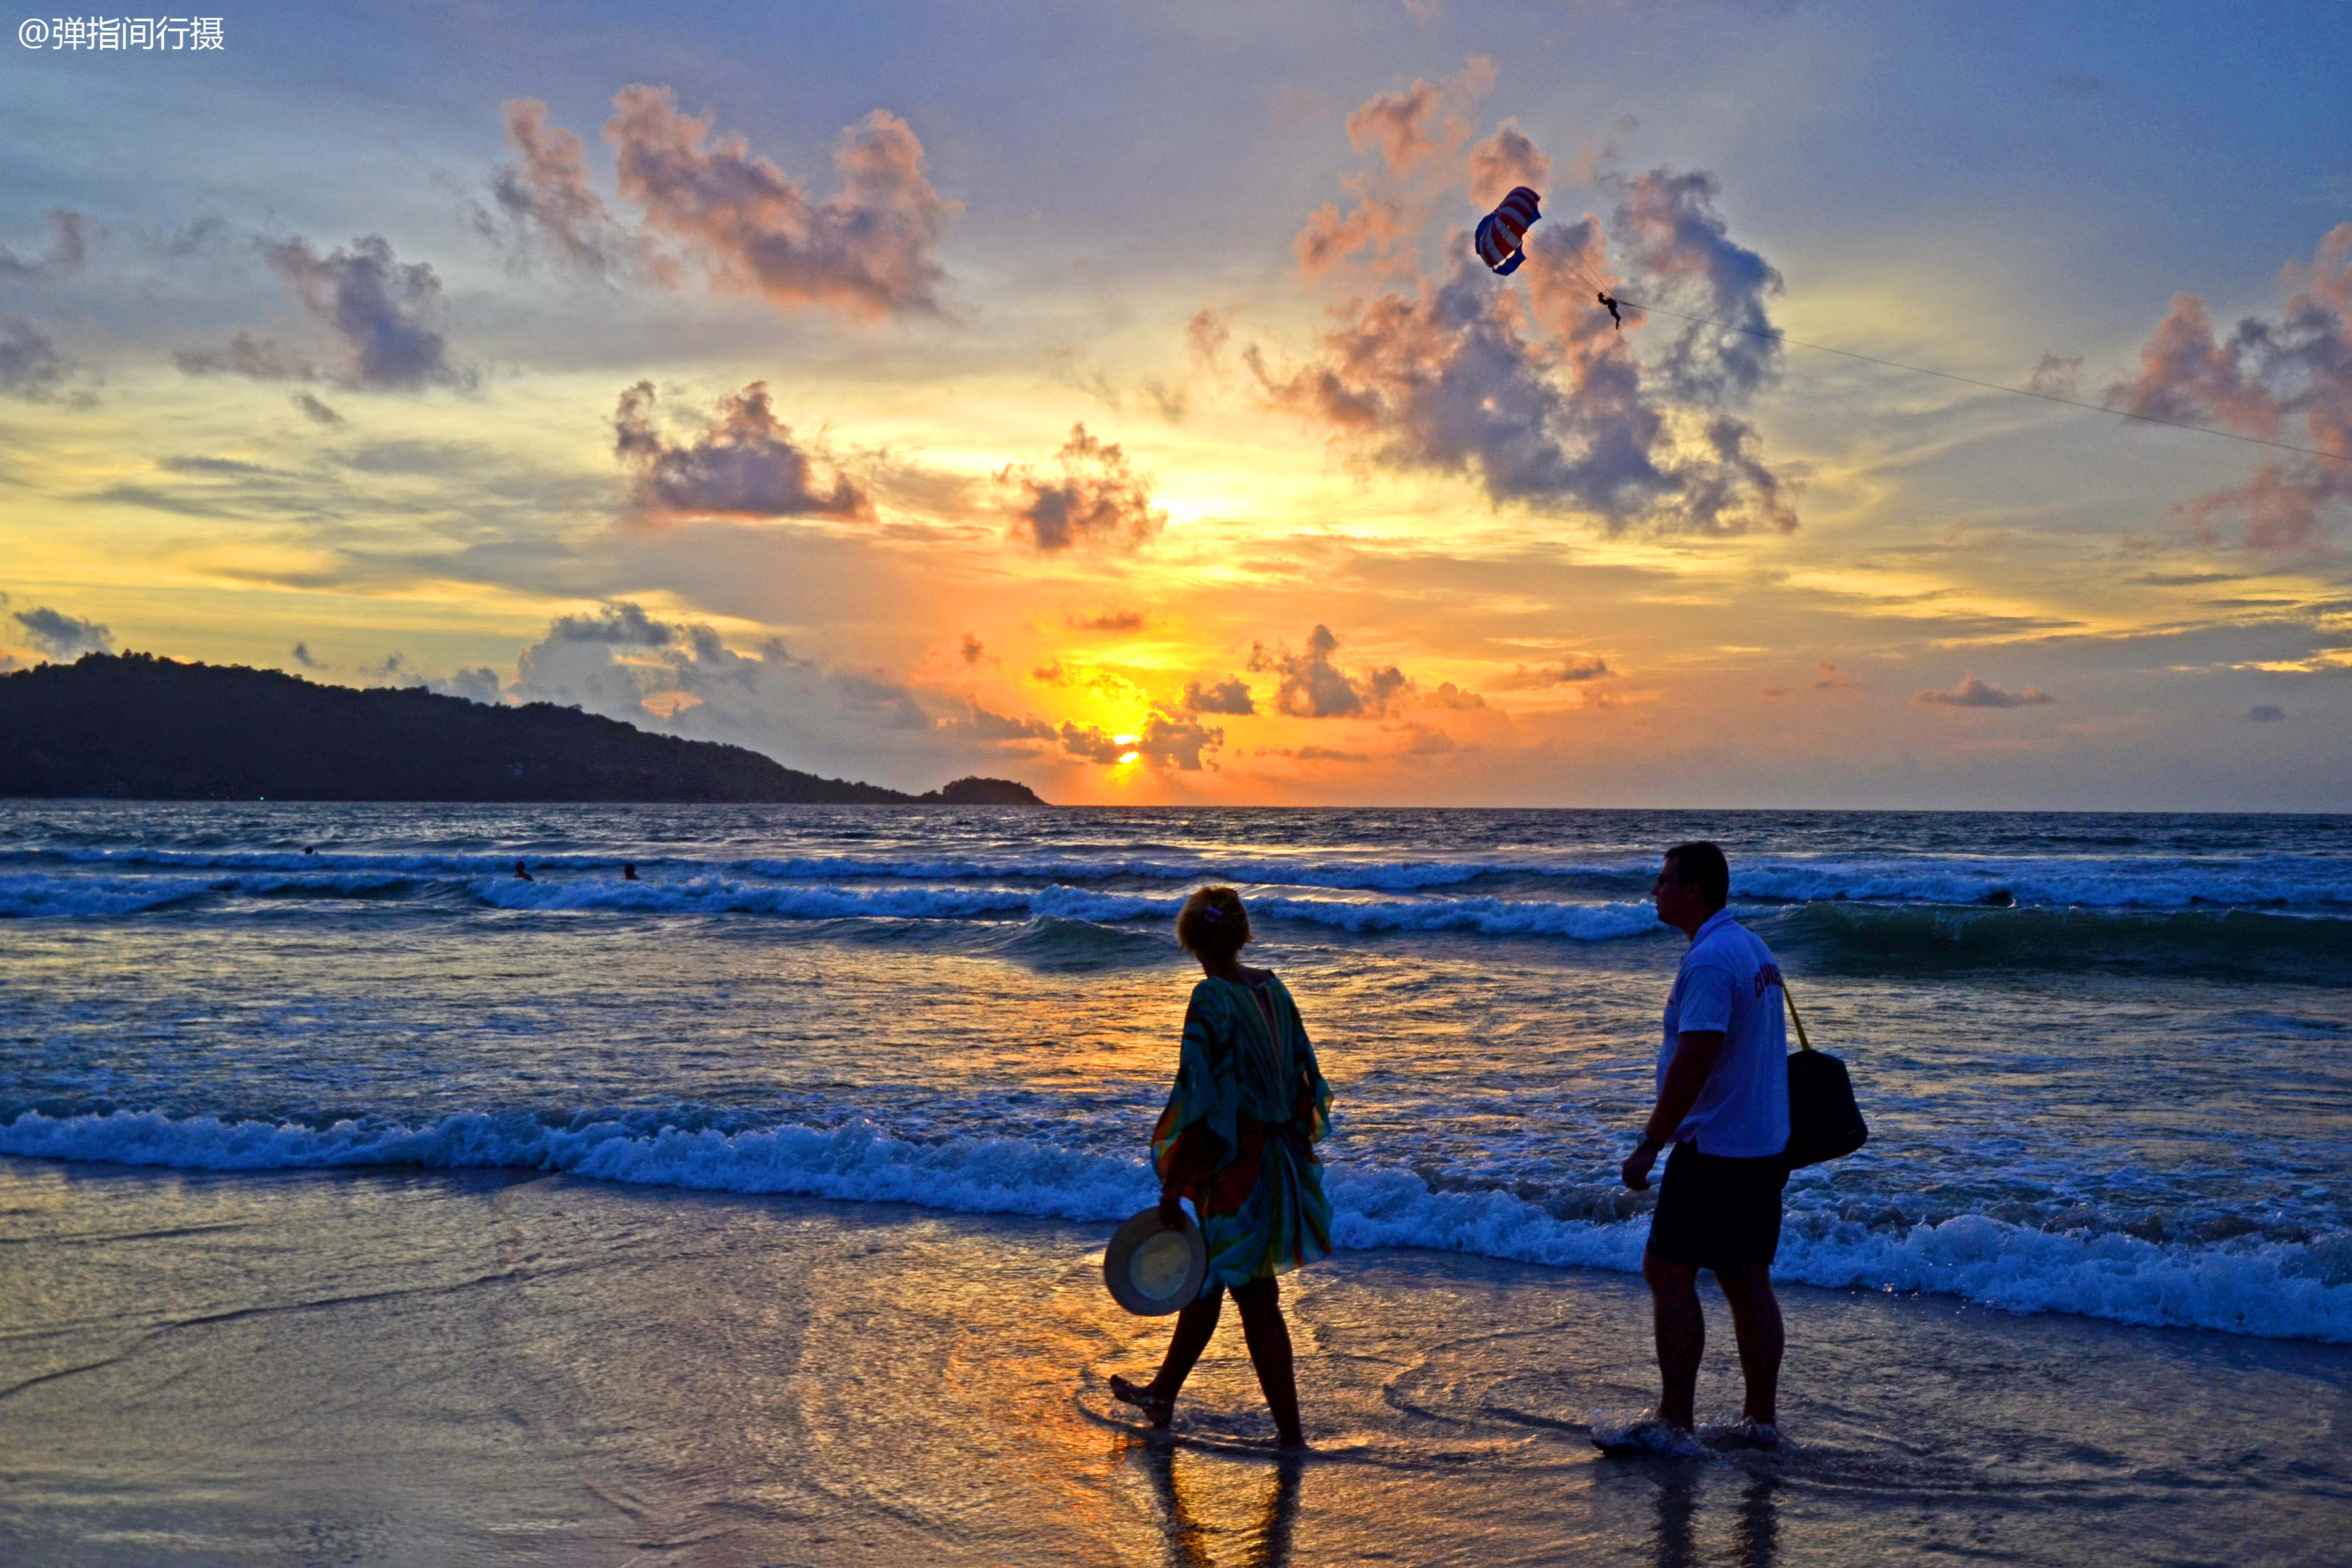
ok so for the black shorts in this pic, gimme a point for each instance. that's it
(1713, 1210)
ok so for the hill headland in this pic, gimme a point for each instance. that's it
(140, 727)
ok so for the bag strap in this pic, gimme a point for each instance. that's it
(1792, 1000)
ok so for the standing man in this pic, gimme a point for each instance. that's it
(1723, 1104)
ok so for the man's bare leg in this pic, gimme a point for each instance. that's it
(1682, 1336)
(1756, 1320)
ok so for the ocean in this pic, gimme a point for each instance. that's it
(2103, 1056)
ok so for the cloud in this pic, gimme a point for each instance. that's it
(301, 654)
(681, 678)
(479, 684)
(1095, 497)
(2287, 377)
(1682, 249)
(69, 248)
(1224, 697)
(1109, 621)
(546, 205)
(63, 637)
(385, 319)
(1315, 687)
(30, 365)
(866, 251)
(1829, 678)
(1505, 159)
(1573, 669)
(1972, 692)
(316, 412)
(2264, 713)
(743, 464)
(971, 650)
(1451, 697)
(1772, 692)
(1163, 742)
(1531, 392)
(2056, 377)
(1323, 754)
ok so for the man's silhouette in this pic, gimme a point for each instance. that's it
(1614, 316)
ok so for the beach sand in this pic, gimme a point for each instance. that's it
(471, 1367)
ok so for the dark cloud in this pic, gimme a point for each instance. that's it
(385, 319)
(1573, 669)
(1972, 692)
(1313, 687)
(623, 624)
(1093, 496)
(866, 250)
(971, 650)
(2287, 377)
(743, 464)
(30, 365)
(63, 637)
(1323, 754)
(69, 248)
(2264, 713)
(301, 652)
(1683, 253)
(1109, 621)
(1164, 742)
(1224, 697)
(316, 412)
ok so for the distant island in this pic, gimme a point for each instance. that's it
(139, 727)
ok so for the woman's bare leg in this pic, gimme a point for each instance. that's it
(1269, 1348)
(1194, 1325)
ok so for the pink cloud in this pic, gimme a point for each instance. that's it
(2287, 377)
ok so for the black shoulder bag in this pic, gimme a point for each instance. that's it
(1824, 1123)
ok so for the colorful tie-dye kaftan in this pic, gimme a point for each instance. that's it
(1240, 1129)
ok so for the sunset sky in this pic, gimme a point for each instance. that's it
(1106, 396)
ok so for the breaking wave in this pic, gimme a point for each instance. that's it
(2279, 1289)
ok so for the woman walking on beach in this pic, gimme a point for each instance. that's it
(1237, 1138)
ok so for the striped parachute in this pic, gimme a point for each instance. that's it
(1500, 232)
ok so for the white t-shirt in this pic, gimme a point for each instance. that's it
(1730, 982)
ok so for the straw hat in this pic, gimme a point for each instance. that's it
(1153, 1271)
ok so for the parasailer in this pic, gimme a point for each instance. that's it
(1614, 316)
(1501, 232)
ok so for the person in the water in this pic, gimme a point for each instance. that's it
(1237, 1138)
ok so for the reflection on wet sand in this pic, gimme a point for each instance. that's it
(1195, 1490)
(1755, 1528)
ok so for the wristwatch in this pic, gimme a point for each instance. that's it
(1652, 1145)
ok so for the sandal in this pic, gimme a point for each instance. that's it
(1156, 1407)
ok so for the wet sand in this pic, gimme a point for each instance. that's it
(450, 1368)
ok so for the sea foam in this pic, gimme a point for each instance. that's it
(2275, 1289)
